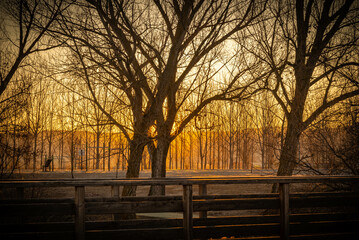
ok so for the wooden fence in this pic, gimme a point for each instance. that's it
(286, 215)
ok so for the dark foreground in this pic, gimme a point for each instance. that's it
(195, 208)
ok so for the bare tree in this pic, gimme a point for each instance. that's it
(148, 53)
(23, 29)
(199, 70)
(14, 137)
(36, 115)
(331, 145)
(202, 128)
(311, 48)
(264, 113)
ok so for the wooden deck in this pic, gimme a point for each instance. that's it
(286, 215)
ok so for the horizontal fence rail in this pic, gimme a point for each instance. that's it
(283, 215)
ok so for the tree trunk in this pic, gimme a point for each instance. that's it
(288, 157)
(245, 150)
(218, 149)
(104, 151)
(230, 149)
(50, 142)
(230, 165)
(184, 151)
(62, 148)
(98, 147)
(159, 156)
(176, 153)
(137, 145)
(109, 150)
(190, 150)
(86, 150)
(200, 150)
(34, 153)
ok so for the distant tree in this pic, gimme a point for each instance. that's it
(52, 107)
(348, 151)
(202, 128)
(331, 145)
(14, 137)
(264, 114)
(36, 117)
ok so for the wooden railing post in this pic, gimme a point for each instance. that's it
(284, 210)
(187, 212)
(202, 190)
(80, 212)
(115, 192)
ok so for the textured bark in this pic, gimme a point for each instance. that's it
(137, 145)
(289, 154)
(159, 156)
(288, 157)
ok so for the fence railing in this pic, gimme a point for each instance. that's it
(283, 215)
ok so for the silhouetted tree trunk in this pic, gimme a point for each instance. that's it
(137, 145)
(159, 165)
